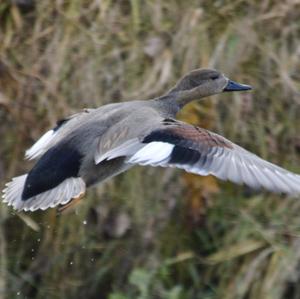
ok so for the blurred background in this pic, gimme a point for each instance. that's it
(150, 232)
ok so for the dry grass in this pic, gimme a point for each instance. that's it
(152, 233)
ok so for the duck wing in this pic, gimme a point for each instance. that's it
(47, 140)
(173, 143)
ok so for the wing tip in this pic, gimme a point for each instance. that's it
(62, 194)
(12, 194)
(39, 146)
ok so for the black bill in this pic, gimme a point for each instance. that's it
(233, 86)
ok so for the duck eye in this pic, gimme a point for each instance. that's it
(214, 77)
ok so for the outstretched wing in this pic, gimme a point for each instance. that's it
(67, 190)
(196, 150)
(52, 136)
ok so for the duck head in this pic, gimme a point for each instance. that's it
(202, 83)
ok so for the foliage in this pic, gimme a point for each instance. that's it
(152, 233)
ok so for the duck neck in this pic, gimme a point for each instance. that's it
(173, 102)
(184, 97)
(166, 106)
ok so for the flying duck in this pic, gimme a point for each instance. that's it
(96, 144)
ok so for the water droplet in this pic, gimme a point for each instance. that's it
(84, 222)
(18, 293)
(71, 263)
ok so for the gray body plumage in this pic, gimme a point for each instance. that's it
(96, 144)
(97, 130)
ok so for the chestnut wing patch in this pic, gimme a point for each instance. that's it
(187, 135)
(192, 144)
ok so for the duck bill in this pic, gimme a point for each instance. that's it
(234, 86)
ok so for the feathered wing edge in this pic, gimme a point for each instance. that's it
(61, 194)
(236, 165)
(40, 146)
(48, 138)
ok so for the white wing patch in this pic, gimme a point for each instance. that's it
(154, 153)
(39, 147)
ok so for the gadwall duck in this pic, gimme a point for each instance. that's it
(96, 144)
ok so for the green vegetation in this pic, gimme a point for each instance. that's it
(152, 233)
